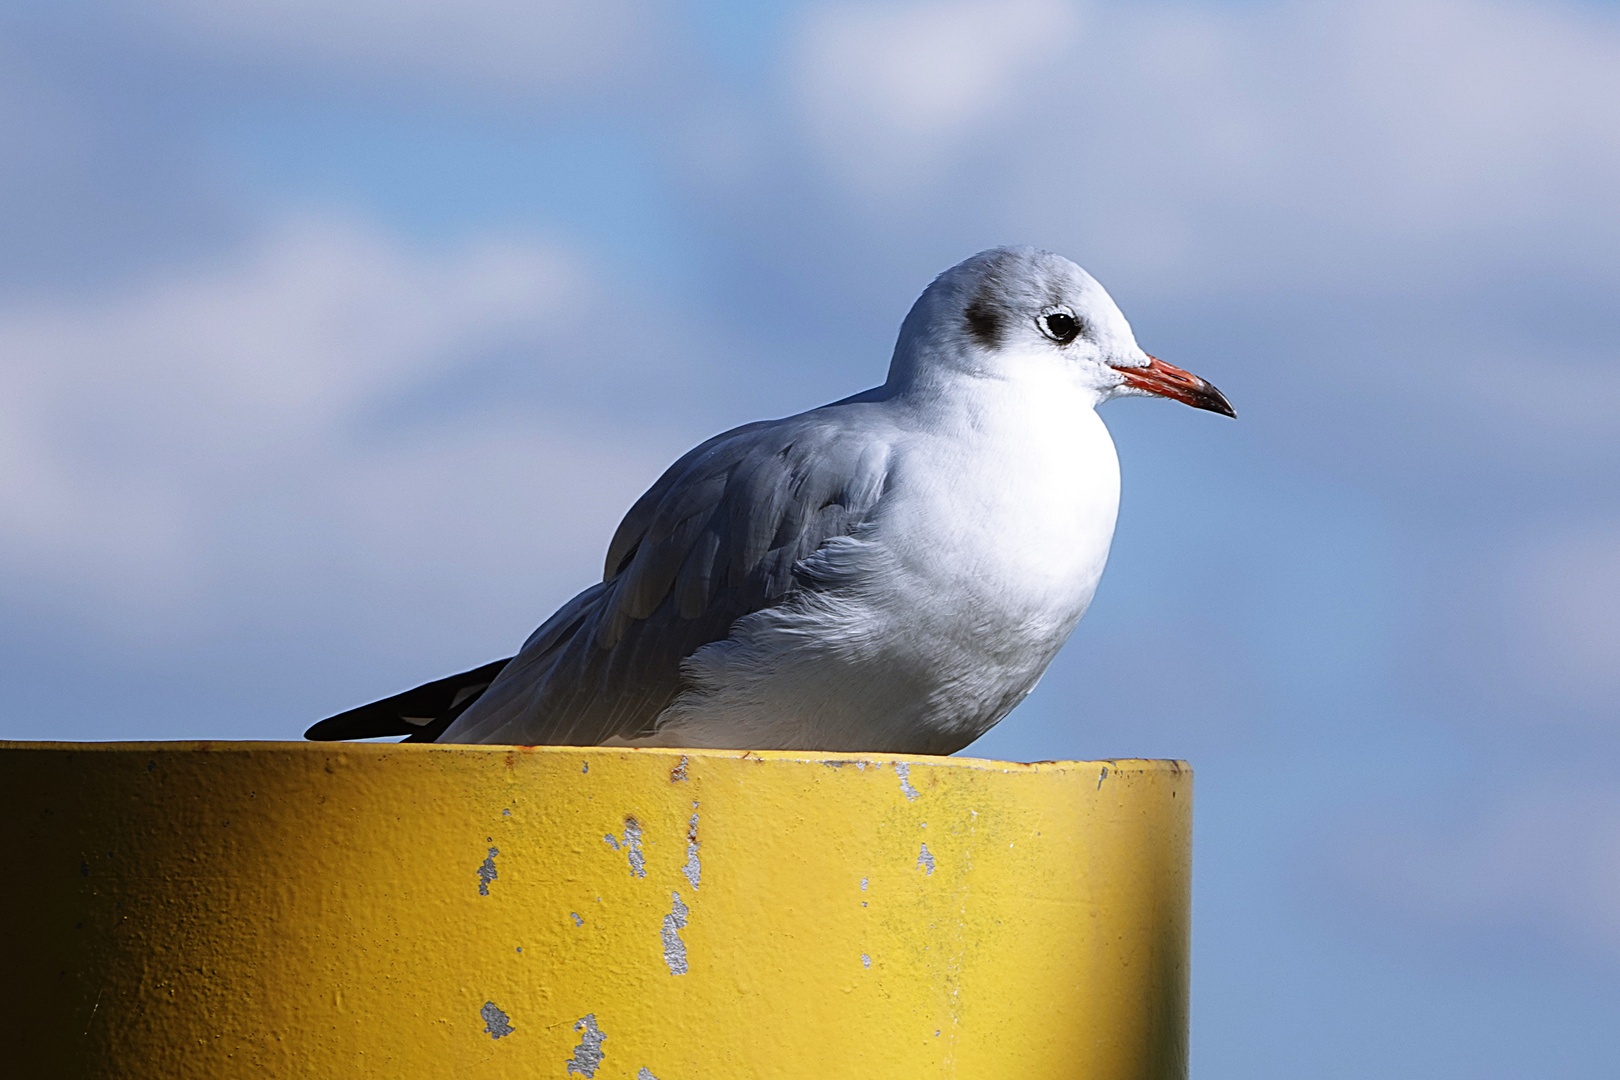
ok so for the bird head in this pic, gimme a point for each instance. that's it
(1005, 310)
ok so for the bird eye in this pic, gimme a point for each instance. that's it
(1060, 325)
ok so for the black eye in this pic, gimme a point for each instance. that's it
(1060, 326)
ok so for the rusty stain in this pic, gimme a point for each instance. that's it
(693, 868)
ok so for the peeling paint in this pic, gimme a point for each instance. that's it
(678, 773)
(588, 1054)
(496, 1022)
(585, 767)
(863, 884)
(486, 871)
(926, 859)
(632, 840)
(611, 840)
(674, 947)
(577, 920)
(693, 868)
(866, 961)
(903, 771)
(1101, 777)
(645, 1074)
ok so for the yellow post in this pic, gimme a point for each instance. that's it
(222, 910)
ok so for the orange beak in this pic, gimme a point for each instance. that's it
(1167, 380)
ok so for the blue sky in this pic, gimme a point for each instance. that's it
(334, 339)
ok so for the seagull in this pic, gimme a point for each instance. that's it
(889, 573)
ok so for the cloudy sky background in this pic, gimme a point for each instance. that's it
(335, 338)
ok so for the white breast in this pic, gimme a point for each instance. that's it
(1003, 513)
(984, 553)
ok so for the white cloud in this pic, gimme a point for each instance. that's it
(1568, 625)
(890, 92)
(1261, 147)
(509, 44)
(204, 437)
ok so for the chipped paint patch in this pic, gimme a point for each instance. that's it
(678, 773)
(863, 884)
(632, 840)
(588, 1054)
(577, 920)
(1101, 777)
(645, 1074)
(693, 869)
(903, 771)
(926, 859)
(496, 1022)
(866, 961)
(486, 871)
(674, 947)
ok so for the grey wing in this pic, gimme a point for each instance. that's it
(719, 536)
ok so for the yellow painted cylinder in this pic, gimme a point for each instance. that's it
(223, 910)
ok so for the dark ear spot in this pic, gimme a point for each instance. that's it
(984, 323)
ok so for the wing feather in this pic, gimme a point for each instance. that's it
(719, 536)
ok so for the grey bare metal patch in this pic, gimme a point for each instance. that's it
(645, 1074)
(632, 840)
(925, 859)
(674, 947)
(588, 1054)
(496, 1022)
(903, 771)
(486, 871)
(678, 773)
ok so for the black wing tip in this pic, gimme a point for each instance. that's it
(440, 699)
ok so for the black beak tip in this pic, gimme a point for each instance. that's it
(1215, 401)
